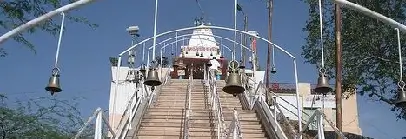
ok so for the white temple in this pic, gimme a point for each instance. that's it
(202, 44)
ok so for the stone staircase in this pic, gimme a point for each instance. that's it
(164, 120)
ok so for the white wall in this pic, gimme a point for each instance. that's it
(119, 101)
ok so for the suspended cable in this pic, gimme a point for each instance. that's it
(201, 10)
(235, 27)
(154, 42)
(321, 34)
(143, 52)
(273, 56)
(59, 40)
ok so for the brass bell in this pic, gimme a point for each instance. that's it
(152, 79)
(201, 54)
(322, 84)
(401, 99)
(273, 70)
(234, 85)
(53, 85)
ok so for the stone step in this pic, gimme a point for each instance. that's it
(179, 121)
(197, 117)
(173, 133)
(201, 126)
(178, 137)
(192, 134)
(196, 129)
(225, 111)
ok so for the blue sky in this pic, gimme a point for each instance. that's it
(85, 51)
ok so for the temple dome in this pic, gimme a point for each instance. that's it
(202, 42)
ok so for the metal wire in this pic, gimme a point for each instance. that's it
(143, 52)
(59, 40)
(400, 56)
(273, 55)
(235, 27)
(321, 34)
(154, 41)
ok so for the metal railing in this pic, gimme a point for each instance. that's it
(100, 118)
(216, 104)
(187, 107)
(234, 127)
(259, 97)
(129, 113)
(277, 109)
(319, 116)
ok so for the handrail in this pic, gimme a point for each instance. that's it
(216, 104)
(258, 97)
(98, 114)
(234, 127)
(188, 103)
(129, 112)
(321, 116)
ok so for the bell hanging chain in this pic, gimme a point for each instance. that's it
(59, 40)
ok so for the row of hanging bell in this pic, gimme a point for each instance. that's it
(53, 85)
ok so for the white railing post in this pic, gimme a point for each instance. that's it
(235, 135)
(321, 126)
(98, 126)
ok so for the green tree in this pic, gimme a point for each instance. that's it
(17, 12)
(370, 52)
(40, 118)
